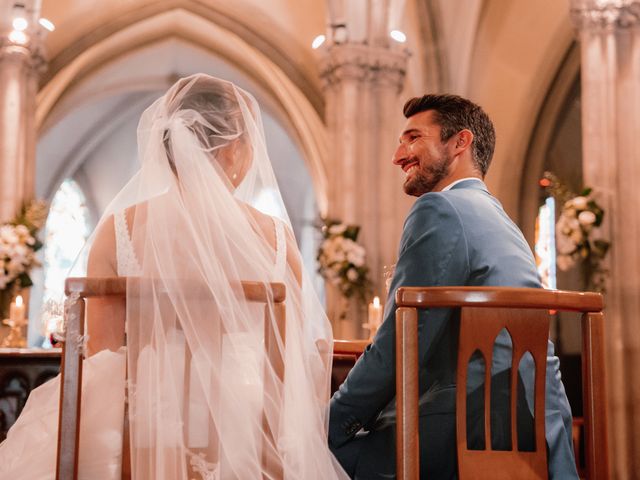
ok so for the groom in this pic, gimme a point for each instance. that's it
(456, 233)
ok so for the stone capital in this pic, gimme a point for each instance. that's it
(605, 15)
(31, 55)
(363, 63)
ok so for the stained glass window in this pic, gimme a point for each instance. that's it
(66, 231)
(545, 247)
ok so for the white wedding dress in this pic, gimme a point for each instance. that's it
(194, 234)
(29, 451)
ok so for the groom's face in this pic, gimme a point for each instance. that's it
(424, 159)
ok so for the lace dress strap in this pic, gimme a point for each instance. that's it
(281, 250)
(128, 265)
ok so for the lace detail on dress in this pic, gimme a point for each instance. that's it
(128, 265)
(207, 470)
(80, 340)
(281, 250)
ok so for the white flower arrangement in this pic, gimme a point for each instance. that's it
(579, 218)
(17, 254)
(18, 245)
(341, 259)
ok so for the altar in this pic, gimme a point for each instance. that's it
(22, 370)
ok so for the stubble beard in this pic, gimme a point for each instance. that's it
(425, 179)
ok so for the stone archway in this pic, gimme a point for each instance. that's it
(543, 135)
(295, 108)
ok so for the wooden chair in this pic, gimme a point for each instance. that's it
(345, 356)
(79, 289)
(353, 348)
(484, 312)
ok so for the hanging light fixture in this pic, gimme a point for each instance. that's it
(398, 36)
(48, 24)
(20, 24)
(26, 24)
(318, 41)
(18, 37)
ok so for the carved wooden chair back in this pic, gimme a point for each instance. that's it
(484, 313)
(80, 289)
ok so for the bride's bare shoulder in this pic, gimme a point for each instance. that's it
(263, 220)
(293, 254)
(264, 224)
(102, 253)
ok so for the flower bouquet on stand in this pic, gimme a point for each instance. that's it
(577, 236)
(18, 247)
(341, 262)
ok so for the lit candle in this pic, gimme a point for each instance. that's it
(375, 315)
(17, 311)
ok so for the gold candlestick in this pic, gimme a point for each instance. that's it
(16, 321)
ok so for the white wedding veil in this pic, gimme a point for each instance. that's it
(198, 377)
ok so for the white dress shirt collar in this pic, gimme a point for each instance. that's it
(452, 184)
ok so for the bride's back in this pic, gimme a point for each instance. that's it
(189, 222)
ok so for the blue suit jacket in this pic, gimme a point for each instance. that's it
(458, 237)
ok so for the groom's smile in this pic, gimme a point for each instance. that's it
(410, 167)
(422, 155)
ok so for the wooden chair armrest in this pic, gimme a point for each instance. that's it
(350, 347)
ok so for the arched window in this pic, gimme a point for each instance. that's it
(545, 246)
(66, 231)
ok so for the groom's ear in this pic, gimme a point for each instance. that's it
(462, 141)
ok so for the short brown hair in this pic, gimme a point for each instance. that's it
(454, 113)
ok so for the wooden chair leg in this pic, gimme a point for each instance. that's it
(408, 450)
(594, 396)
(126, 447)
(70, 392)
(274, 331)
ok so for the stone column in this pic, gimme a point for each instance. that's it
(20, 65)
(363, 71)
(609, 32)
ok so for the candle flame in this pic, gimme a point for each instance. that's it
(19, 300)
(376, 301)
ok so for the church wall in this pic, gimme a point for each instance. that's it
(518, 49)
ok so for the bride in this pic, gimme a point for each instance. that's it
(197, 376)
